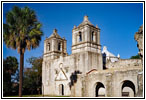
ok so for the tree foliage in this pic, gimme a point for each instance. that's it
(10, 67)
(135, 57)
(73, 78)
(22, 31)
(33, 76)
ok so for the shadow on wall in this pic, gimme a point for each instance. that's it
(73, 78)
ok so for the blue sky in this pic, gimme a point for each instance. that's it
(118, 23)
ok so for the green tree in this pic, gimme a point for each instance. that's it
(10, 66)
(22, 31)
(135, 57)
(33, 76)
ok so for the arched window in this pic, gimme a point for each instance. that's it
(92, 36)
(48, 46)
(80, 36)
(59, 46)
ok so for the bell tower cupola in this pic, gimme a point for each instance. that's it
(86, 37)
(54, 46)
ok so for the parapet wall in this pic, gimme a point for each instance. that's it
(124, 63)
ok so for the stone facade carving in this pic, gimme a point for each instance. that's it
(83, 73)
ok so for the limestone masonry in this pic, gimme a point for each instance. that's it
(88, 71)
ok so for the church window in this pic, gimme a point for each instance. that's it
(59, 46)
(92, 36)
(80, 36)
(48, 46)
(61, 89)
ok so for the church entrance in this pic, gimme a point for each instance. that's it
(100, 90)
(61, 89)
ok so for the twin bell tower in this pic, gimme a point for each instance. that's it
(86, 48)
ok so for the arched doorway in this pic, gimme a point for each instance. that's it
(61, 89)
(128, 89)
(99, 90)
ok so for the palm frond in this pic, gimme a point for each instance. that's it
(22, 30)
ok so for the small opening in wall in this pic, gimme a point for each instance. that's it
(92, 36)
(48, 46)
(59, 46)
(61, 89)
(104, 60)
(80, 36)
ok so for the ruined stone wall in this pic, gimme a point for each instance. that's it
(139, 38)
(111, 79)
(124, 63)
(140, 85)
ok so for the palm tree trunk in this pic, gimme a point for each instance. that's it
(21, 72)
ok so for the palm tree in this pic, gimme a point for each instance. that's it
(21, 31)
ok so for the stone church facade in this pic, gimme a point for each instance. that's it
(87, 72)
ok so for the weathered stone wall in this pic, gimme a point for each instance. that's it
(112, 79)
(51, 71)
(140, 85)
(83, 62)
(77, 88)
(86, 61)
(124, 63)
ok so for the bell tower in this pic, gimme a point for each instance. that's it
(86, 46)
(86, 37)
(54, 46)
